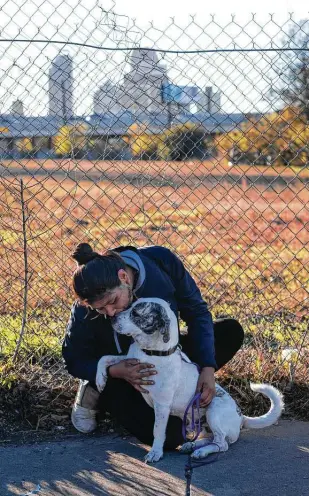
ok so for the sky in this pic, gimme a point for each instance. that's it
(243, 78)
(161, 9)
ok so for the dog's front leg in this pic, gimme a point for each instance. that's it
(162, 413)
(103, 364)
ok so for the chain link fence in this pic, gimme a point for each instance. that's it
(193, 136)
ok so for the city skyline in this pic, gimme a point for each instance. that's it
(99, 40)
(141, 90)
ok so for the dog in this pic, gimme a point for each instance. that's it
(154, 328)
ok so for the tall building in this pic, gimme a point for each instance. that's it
(216, 102)
(17, 108)
(142, 86)
(61, 87)
(106, 99)
(141, 89)
(209, 101)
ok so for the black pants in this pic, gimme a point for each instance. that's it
(129, 408)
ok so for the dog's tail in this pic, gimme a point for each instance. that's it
(273, 414)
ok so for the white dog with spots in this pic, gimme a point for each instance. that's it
(154, 328)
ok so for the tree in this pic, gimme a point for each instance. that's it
(280, 138)
(62, 142)
(182, 142)
(178, 143)
(72, 140)
(292, 71)
(142, 143)
(24, 146)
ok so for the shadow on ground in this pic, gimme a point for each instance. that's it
(268, 462)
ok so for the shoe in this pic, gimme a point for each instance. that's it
(84, 410)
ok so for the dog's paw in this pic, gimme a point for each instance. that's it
(187, 447)
(101, 375)
(153, 456)
(205, 451)
(100, 382)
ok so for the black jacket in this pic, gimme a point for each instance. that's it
(89, 335)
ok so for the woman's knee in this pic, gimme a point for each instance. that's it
(230, 327)
(237, 330)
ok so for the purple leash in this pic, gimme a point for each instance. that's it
(196, 428)
(194, 403)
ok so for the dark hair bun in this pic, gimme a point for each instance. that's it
(83, 253)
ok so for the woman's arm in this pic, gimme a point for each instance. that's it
(194, 311)
(192, 308)
(84, 357)
(80, 348)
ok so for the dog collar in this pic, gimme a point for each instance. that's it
(161, 353)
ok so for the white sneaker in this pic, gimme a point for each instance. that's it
(84, 411)
(83, 419)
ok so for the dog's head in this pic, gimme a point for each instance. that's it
(148, 320)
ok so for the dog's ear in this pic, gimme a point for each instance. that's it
(165, 327)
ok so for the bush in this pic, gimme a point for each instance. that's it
(72, 140)
(280, 138)
(178, 143)
(143, 145)
(184, 142)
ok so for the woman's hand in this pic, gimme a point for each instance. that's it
(134, 372)
(206, 385)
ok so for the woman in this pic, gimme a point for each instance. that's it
(107, 284)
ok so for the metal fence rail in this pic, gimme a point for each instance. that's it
(192, 136)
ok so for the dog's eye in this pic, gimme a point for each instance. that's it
(134, 312)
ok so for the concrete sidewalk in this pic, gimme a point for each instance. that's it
(270, 462)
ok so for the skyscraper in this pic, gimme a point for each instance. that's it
(17, 108)
(106, 99)
(209, 101)
(141, 88)
(61, 87)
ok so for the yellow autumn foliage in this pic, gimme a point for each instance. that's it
(71, 138)
(24, 145)
(280, 138)
(142, 143)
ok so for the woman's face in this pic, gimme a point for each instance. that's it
(116, 300)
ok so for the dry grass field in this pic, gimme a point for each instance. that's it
(219, 165)
(246, 246)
